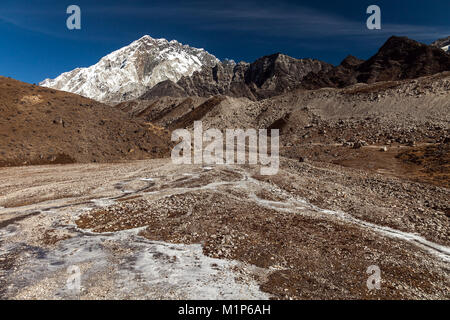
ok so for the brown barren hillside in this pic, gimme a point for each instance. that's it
(42, 126)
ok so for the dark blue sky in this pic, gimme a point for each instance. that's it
(35, 43)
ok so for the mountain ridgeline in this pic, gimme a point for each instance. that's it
(443, 43)
(399, 58)
(127, 73)
(150, 68)
(266, 77)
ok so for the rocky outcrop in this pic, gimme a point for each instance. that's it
(165, 88)
(399, 58)
(278, 73)
(225, 78)
(341, 76)
(266, 77)
(443, 43)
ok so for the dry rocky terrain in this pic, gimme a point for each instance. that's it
(363, 181)
(168, 231)
(399, 128)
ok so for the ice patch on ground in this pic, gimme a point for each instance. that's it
(139, 269)
(105, 202)
(438, 250)
(183, 272)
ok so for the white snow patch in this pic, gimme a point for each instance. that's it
(175, 267)
(148, 269)
(105, 202)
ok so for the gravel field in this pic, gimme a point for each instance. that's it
(153, 230)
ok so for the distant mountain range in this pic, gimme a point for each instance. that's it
(149, 68)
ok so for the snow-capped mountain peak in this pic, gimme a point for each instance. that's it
(128, 72)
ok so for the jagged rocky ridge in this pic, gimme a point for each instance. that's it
(399, 58)
(150, 68)
(443, 43)
(266, 77)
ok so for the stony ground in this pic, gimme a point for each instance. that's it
(152, 230)
(364, 181)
